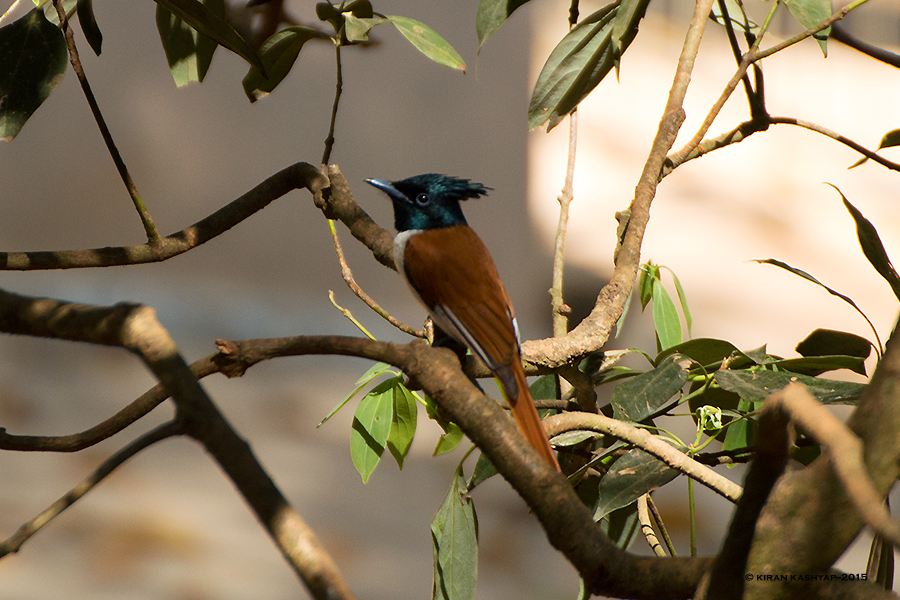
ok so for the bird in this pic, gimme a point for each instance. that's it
(450, 271)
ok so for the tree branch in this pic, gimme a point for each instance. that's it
(299, 175)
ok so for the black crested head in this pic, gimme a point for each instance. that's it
(429, 201)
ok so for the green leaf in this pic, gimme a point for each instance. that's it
(454, 538)
(33, 60)
(665, 317)
(580, 62)
(371, 428)
(756, 386)
(649, 274)
(682, 299)
(643, 396)
(621, 526)
(888, 140)
(188, 52)
(827, 342)
(278, 53)
(737, 16)
(491, 15)
(484, 470)
(453, 435)
(705, 351)
(357, 29)
(816, 365)
(403, 425)
(872, 246)
(89, 26)
(634, 474)
(373, 372)
(741, 433)
(203, 19)
(809, 13)
(428, 42)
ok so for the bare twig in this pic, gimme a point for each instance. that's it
(657, 519)
(641, 438)
(299, 175)
(339, 88)
(347, 275)
(647, 526)
(840, 34)
(559, 310)
(13, 543)
(146, 219)
(870, 154)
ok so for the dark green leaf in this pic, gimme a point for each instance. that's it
(428, 42)
(643, 396)
(872, 246)
(491, 15)
(705, 351)
(621, 525)
(634, 474)
(371, 428)
(278, 53)
(89, 26)
(580, 62)
(756, 386)
(649, 274)
(827, 342)
(32, 63)
(484, 470)
(816, 365)
(809, 13)
(403, 425)
(890, 139)
(665, 317)
(188, 52)
(207, 22)
(454, 538)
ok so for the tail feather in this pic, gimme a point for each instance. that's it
(526, 416)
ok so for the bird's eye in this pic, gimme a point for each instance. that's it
(422, 199)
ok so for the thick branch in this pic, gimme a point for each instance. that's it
(297, 176)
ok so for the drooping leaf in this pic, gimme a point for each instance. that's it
(89, 26)
(278, 53)
(371, 428)
(357, 29)
(872, 246)
(491, 15)
(808, 277)
(665, 317)
(828, 342)
(188, 52)
(484, 470)
(741, 433)
(643, 396)
(372, 373)
(634, 474)
(756, 386)
(454, 538)
(816, 365)
(403, 425)
(621, 526)
(682, 299)
(33, 59)
(428, 42)
(580, 61)
(809, 13)
(203, 19)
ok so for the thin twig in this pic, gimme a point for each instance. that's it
(657, 519)
(838, 138)
(647, 527)
(13, 543)
(339, 88)
(297, 176)
(845, 37)
(146, 219)
(641, 438)
(347, 275)
(559, 310)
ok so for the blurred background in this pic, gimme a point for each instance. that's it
(168, 524)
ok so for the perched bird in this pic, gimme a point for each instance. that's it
(452, 274)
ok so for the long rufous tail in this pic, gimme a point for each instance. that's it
(527, 418)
